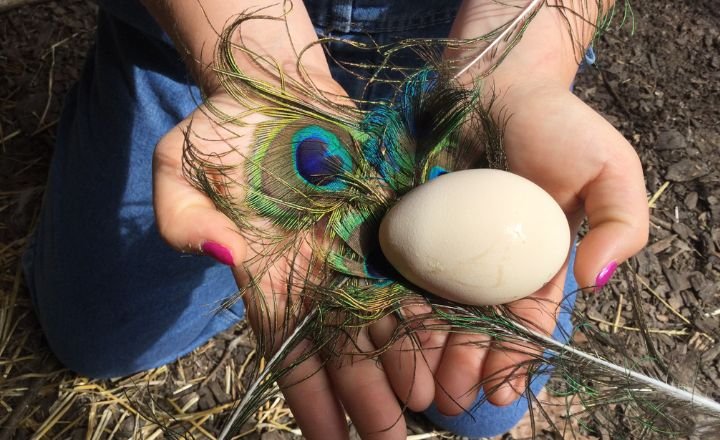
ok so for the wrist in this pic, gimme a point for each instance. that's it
(549, 50)
(197, 27)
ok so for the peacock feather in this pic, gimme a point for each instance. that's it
(320, 175)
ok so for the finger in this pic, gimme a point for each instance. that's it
(616, 206)
(505, 369)
(186, 218)
(587, 165)
(272, 305)
(460, 372)
(306, 387)
(311, 398)
(366, 394)
(412, 359)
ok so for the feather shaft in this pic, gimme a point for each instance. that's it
(656, 384)
(278, 357)
(524, 14)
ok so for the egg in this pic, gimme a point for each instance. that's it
(477, 237)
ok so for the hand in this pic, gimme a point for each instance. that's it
(572, 153)
(555, 140)
(188, 220)
(560, 143)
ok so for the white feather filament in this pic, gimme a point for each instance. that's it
(526, 12)
(278, 357)
(654, 384)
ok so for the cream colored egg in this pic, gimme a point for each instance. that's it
(479, 237)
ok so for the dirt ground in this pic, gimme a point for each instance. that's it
(660, 87)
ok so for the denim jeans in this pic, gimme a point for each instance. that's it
(111, 296)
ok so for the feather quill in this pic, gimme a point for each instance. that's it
(510, 28)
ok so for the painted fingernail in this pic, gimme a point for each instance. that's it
(218, 252)
(604, 276)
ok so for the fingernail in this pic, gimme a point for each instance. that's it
(218, 252)
(604, 276)
(507, 393)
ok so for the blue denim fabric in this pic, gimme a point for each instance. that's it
(111, 296)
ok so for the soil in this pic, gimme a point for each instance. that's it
(660, 87)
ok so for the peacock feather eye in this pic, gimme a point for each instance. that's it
(301, 170)
(378, 267)
(320, 158)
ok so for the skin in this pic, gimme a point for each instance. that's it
(552, 138)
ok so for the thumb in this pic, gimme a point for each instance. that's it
(618, 214)
(186, 218)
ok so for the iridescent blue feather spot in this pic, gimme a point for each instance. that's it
(436, 171)
(320, 158)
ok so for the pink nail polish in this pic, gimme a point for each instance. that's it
(605, 274)
(218, 252)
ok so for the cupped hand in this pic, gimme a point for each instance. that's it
(318, 393)
(561, 144)
(571, 151)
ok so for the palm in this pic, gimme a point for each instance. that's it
(318, 396)
(558, 142)
(561, 144)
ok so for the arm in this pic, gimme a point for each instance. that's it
(550, 48)
(196, 25)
